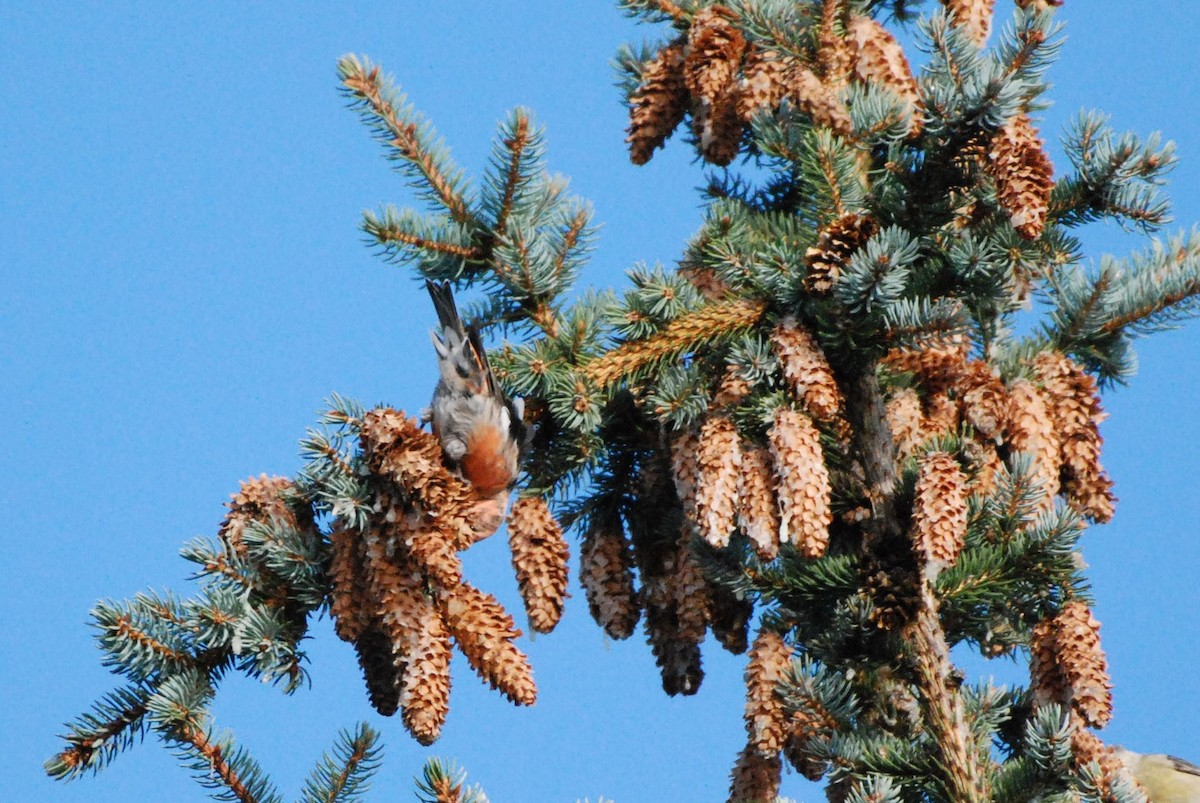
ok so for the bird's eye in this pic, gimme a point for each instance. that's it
(462, 371)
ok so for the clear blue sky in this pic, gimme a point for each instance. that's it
(184, 283)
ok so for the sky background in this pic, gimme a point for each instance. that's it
(184, 282)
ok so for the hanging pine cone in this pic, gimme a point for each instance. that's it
(1031, 430)
(349, 597)
(730, 615)
(904, 421)
(606, 574)
(819, 100)
(973, 16)
(485, 633)
(801, 482)
(1074, 403)
(758, 510)
(1083, 664)
(658, 105)
(764, 82)
(806, 370)
(1023, 174)
(879, 59)
(939, 520)
(719, 463)
(836, 243)
(983, 398)
(891, 581)
(770, 659)
(755, 778)
(425, 685)
(259, 500)
(539, 556)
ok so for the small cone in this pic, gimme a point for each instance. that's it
(658, 106)
(807, 370)
(803, 727)
(941, 417)
(733, 389)
(730, 614)
(755, 777)
(1023, 175)
(539, 555)
(770, 659)
(984, 399)
(1083, 664)
(879, 59)
(484, 633)
(719, 464)
(758, 510)
(259, 499)
(714, 52)
(685, 471)
(689, 593)
(717, 127)
(940, 511)
(904, 421)
(835, 244)
(974, 16)
(819, 100)
(348, 594)
(606, 574)
(425, 687)
(764, 83)
(678, 658)
(1031, 430)
(380, 672)
(939, 365)
(801, 482)
(1074, 403)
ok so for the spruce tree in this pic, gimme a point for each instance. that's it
(855, 426)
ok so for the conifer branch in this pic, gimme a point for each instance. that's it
(216, 756)
(403, 131)
(680, 336)
(343, 777)
(118, 719)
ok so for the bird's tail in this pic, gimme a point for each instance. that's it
(443, 301)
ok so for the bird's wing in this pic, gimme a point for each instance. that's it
(1184, 766)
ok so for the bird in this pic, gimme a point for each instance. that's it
(482, 432)
(1166, 779)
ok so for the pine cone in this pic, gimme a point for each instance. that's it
(1083, 664)
(770, 659)
(755, 778)
(719, 461)
(879, 59)
(349, 597)
(1074, 404)
(605, 572)
(678, 658)
(658, 106)
(731, 616)
(259, 499)
(1023, 175)
(714, 52)
(836, 243)
(758, 510)
(425, 686)
(717, 127)
(685, 471)
(803, 727)
(940, 511)
(484, 633)
(984, 399)
(802, 482)
(807, 370)
(764, 83)
(819, 100)
(904, 421)
(975, 16)
(1032, 431)
(891, 581)
(380, 672)
(539, 556)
